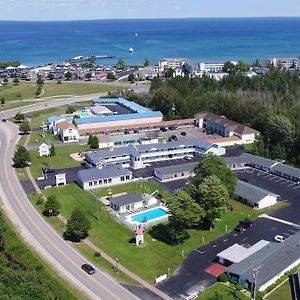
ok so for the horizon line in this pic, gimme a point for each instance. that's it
(154, 19)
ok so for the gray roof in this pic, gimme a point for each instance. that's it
(126, 199)
(273, 258)
(284, 169)
(251, 192)
(104, 173)
(96, 157)
(247, 158)
(170, 170)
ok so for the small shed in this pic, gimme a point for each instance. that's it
(60, 179)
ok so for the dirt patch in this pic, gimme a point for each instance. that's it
(77, 156)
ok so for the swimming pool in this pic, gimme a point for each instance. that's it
(84, 114)
(149, 215)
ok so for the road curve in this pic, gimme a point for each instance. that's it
(36, 231)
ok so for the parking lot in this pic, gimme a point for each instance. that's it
(192, 276)
(191, 133)
(287, 190)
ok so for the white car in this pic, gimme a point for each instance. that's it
(279, 238)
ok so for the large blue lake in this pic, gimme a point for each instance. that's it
(198, 39)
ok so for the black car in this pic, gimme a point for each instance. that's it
(174, 137)
(183, 133)
(246, 223)
(172, 127)
(163, 129)
(4, 120)
(240, 228)
(88, 269)
(48, 170)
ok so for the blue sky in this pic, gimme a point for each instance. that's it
(132, 9)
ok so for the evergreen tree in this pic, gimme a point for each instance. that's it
(78, 226)
(52, 151)
(19, 116)
(51, 205)
(94, 143)
(25, 127)
(21, 157)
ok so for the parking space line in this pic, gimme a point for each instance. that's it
(292, 184)
(286, 233)
(297, 187)
(214, 246)
(225, 240)
(235, 234)
(200, 252)
(268, 175)
(274, 177)
(279, 180)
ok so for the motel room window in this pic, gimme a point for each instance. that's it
(182, 174)
(122, 178)
(100, 182)
(109, 180)
(105, 181)
(95, 182)
(127, 177)
(90, 183)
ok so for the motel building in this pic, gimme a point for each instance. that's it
(67, 132)
(95, 178)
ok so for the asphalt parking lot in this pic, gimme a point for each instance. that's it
(191, 275)
(287, 190)
(192, 133)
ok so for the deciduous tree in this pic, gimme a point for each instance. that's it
(21, 157)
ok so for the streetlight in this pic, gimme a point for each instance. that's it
(226, 228)
(182, 252)
(203, 240)
(168, 272)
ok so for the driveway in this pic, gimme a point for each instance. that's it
(191, 275)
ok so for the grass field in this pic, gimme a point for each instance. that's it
(62, 159)
(225, 292)
(283, 292)
(26, 90)
(13, 105)
(156, 257)
(55, 286)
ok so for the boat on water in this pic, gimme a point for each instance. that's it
(130, 50)
(136, 34)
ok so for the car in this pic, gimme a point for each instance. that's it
(163, 129)
(174, 137)
(172, 128)
(183, 133)
(48, 170)
(88, 269)
(4, 120)
(187, 158)
(240, 228)
(279, 238)
(246, 223)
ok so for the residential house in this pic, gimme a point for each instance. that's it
(67, 132)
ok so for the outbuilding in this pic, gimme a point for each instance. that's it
(44, 150)
(127, 203)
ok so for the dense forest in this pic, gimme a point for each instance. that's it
(269, 103)
(22, 276)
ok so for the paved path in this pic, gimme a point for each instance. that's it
(280, 220)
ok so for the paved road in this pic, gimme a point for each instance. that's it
(36, 231)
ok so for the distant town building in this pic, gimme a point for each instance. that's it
(172, 63)
(285, 62)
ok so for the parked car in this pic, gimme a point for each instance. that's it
(174, 137)
(279, 238)
(4, 120)
(48, 170)
(183, 133)
(187, 158)
(246, 223)
(88, 269)
(172, 128)
(163, 129)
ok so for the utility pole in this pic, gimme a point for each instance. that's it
(255, 272)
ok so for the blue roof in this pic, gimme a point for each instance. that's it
(96, 119)
(54, 119)
(134, 106)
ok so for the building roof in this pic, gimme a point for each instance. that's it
(126, 199)
(272, 259)
(54, 118)
(170, 170)
(100, 109)
(251, 192)
(65, 125)
(237, 253)
(227, 123)
(104, 173)
(285, 169)
(96, 157)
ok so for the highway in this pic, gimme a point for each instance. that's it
(35, 230)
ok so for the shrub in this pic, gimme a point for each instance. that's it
(223, 278)
(97, 254)
(239, 287)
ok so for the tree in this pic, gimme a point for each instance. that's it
(38, 90)
(146, 62)
(21, 157)
(2, 232)
(68, 76)
(184, 209)
(211, 164)
(19, 116)
(50, 76)
(169, 73)
(88, 76)
(40, 81)
(16, 81)
(94, 142)
(70, 110)
(2, 101)
(131, 77)
(51, 205)
(77, 227)
(52, 151)
(121, 64)
(216, 296)
(111, 76)
(25, 127)
(229, 67)
(90, 139)
(213, 198)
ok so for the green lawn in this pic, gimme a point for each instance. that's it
(283, 292)
(39, 137)
(62, 159)
(156, 257)
(12, 105)
(26, 90)
(227, 292)
(33, 271)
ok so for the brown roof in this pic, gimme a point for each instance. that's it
(65, 125)
(156, 125)
(227, 123)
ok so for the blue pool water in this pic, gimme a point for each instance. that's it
(84, 114)
(149, 215)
